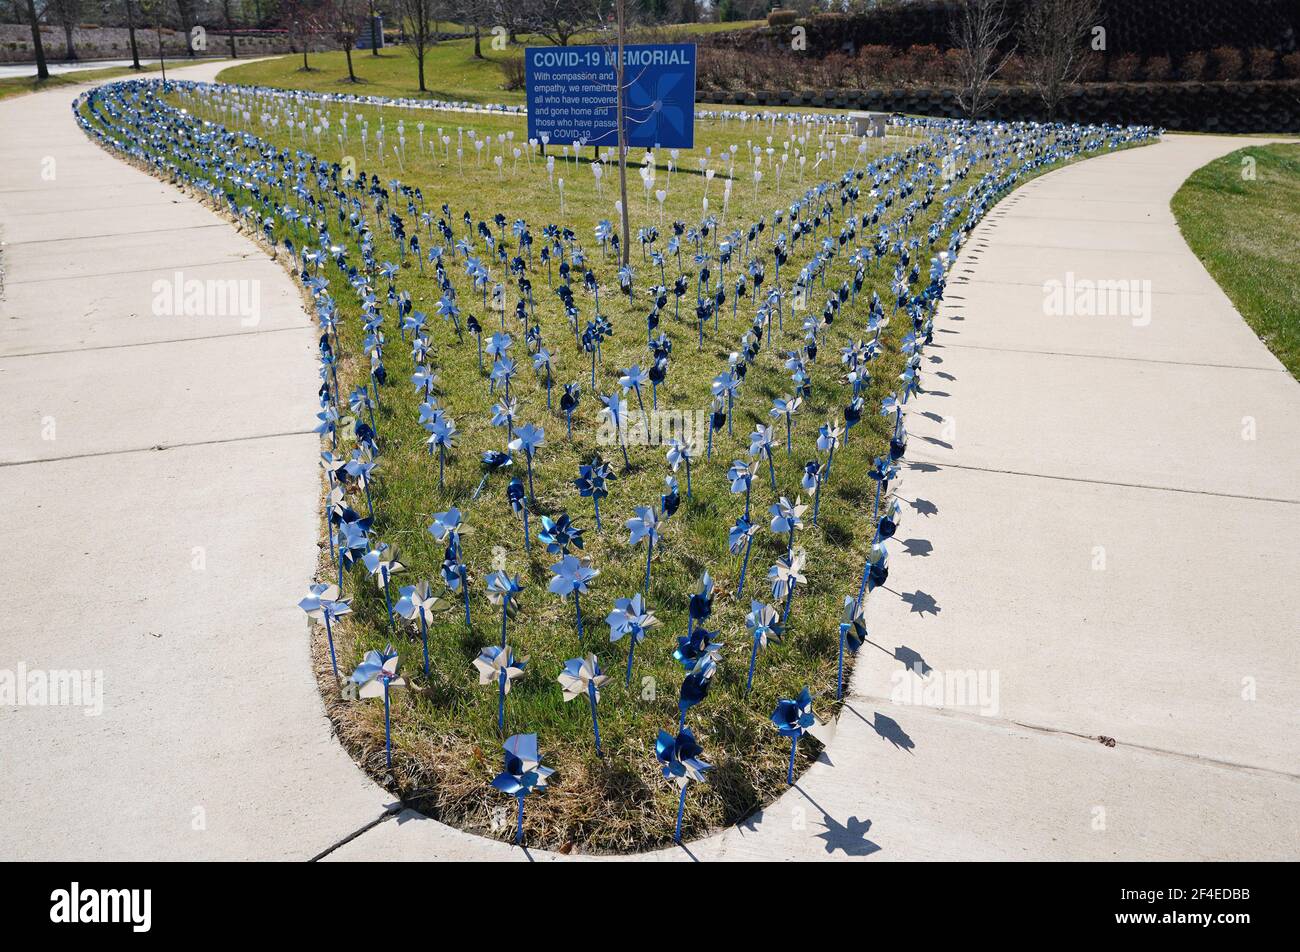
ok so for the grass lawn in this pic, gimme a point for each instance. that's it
(1244, 232)
(446, 742)
(451, 70)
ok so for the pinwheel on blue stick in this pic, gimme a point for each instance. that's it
(695, 686)
(515, 496)
(741, 476)
(787, 407)
(876, 570)
(787, 518)
(671, 500)
(613, 411)
(571, 577)
(700, 605)
(793, 719)
(630, 617)
(593, 481)
(645, 525)
(374, 677)
(786, 575)
(382, 562)
(324, 605)
(761, 442)
(497, 664)
(559, 535)
(568, 403)
(418, 602)
(678, 454)
(353, 540)
(764, 626)
(493, 461)
(582, 676)
(502, 589)
(889, 520)
(447, 529)
(741, 539)
(853, 634)
(528, 439)
(812, 479)
(522, 775)
(681, 760)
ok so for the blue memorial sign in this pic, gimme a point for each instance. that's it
(571, 94)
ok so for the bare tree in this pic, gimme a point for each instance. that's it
(978, 33)
(372, 24)
(227, 11)
(1054, 35)
(345, 25)
(420, 23)
(186, 10)
(67, 13)
(561, 20)
(42, 70)
(130, 32)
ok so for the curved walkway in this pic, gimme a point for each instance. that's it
(169, 571)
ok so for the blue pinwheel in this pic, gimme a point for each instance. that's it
(645, 525)
(678, 454)
(522, 775)
(741, 537)
(630, 617)
(792, 719)
(376, 674)
(498, 665)
(527, 440)
(853, 634)
(662, 112)
(442, 437)
(568, 403)
(764, 628)
(571, 577)
(786, 575)
(418, 601)
(613, 410)
(761, 442)
(741, 476)
(593, 481)
(324, 605)
(519, 506)
(681, 762)
(382, 562)
(502, 589)
(700, 605)
(634, 378)
(787, 518)
(583, 677)
(559, 534)
(787, 407)
(695, 686)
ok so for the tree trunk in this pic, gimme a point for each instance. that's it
(42, 70)
(347, 51)
(478, 47)
(67, 33)
(374, 31)
(420, 59)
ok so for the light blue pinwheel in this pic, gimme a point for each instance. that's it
(645, 525)
(613, 410)
(785, 576)
(324, 605)
(418, 602)
(442, 437)
(528, 439)
(497, 665)
(374, 677)
(634, 378)
(741, 538)
(764, 626)
(787, 407)
(630, 617)
(681, 760)
(761, 442)
(382, 562)
(522, 775)
(583, 677)
(741, 477)
(792, 719)
(787, 518)
(502, 589)
(571, 577)
(679, 454)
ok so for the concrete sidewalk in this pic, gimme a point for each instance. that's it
(161, 471)
(1041, 440)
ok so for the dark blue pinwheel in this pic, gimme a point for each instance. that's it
(568, 403)
(593, 481)
(681, 760)
(792, 719)
(559, 535)
(695, 686)
(522, 775)
(741, 539)
(853, 635)
(518, 505)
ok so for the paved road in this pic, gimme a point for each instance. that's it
(16, 70)
(172, 517)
